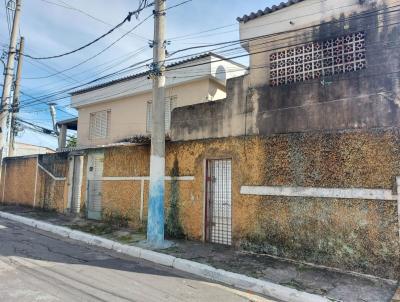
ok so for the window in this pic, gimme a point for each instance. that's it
(170, 104)
(317, 59)
(99, 124)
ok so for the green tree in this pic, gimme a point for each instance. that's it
(72, 142)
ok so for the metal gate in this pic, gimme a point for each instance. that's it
(95, 186)
(219, 201)
(77, 173)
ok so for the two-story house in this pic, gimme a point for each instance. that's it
(120, 109)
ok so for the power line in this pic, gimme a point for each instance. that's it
(179, 4)
(47, 104)
(37, 128)
(97, 54)
(70, 7)
(195, 35)
(361, 16)
(130, 88)
(260, 37)
(102, 51)
(127, 19)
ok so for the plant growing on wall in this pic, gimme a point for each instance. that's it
(174, 228)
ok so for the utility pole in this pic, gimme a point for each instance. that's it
(155, 219)
(53, 112)
(15, 103)
(8, 79)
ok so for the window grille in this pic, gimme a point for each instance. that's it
(99, 124)
(170, 104)
(317, 59)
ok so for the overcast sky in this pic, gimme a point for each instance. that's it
(51, 27)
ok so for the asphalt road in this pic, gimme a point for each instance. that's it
(38, 266)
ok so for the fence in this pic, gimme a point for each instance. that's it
(37, 181)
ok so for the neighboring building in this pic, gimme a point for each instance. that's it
(22, 149)
(63, 127)
(117, 110)
(314, 65)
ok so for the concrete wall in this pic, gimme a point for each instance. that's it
(363, 99)
(18, 180)
(355, 234)
(36, 181)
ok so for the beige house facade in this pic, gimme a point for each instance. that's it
(121, 109)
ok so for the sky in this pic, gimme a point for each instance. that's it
(51, 27)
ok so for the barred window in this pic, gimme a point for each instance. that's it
(317, 59)
(99, 124)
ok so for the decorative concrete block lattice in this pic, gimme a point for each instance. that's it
(318, 59)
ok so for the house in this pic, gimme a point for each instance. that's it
(119, 109)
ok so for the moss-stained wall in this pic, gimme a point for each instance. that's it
(18, 176)
(52, 194)
(359, 235)
(23, 179)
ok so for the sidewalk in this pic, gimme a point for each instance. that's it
(335, 285)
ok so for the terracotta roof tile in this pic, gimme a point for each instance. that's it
(267, 11)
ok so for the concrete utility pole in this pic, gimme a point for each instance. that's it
(15, 103)
(8, 79)
(53, 113)
(155, 219)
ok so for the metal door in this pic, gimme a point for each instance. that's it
(95, 174)
(76, 183)
(219, 201)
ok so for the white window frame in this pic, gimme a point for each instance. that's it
(99, 124)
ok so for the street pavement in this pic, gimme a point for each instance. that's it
(38, 266)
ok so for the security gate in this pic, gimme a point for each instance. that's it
(219, 201)
(75, 175)
(95, 185)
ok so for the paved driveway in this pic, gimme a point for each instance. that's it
(37, 266)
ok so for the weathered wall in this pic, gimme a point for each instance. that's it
(52, 194)
(363, 99)
(124, 197)
(23, 179)
(359, 235)
(18, 179)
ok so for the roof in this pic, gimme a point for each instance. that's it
(267, 10)
(139, 75)
(71, 123)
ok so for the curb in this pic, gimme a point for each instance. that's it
(270, 289)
